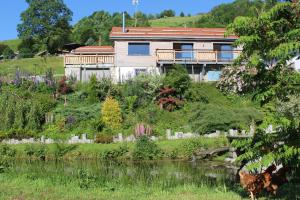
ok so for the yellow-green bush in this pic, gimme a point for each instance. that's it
(111, 113)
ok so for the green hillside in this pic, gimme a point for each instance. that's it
(174, 21)
(36, 65)
(13, 44)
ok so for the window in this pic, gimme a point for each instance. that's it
(185, 50)
(225, 51)
(138, 49)
(140, 71)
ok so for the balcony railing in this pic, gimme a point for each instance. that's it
(196, 56)
(89, 59)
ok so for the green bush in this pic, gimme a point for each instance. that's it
(61, 150)
(8, 53)
(86, 179)
(6, 157)
(98, 90)
(145, 149)
(144, 87)
(25, 53)
(179, 79)
(115, 153)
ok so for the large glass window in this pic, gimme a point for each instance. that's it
(225, 52)
(185, 51)
(138, 49)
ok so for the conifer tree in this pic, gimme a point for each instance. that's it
(111, 113)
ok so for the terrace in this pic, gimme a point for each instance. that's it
(196, 56)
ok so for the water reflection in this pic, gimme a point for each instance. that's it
(164, 173)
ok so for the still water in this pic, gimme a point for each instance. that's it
(163, 173)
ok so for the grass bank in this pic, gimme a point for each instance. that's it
(18, 188)
(171, 149)
(36, 65)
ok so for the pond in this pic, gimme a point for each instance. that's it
(166, 174)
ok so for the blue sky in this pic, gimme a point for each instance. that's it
(10, 9)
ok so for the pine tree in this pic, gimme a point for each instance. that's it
(92, 89)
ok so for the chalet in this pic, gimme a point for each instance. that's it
(203, 51)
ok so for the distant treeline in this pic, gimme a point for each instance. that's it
(51, 29)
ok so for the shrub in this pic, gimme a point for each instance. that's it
(115, 153)
(29, 150)
(2, 47)
(61, 150)
(144, 87)
(99, 90)
(103, 139)
(8, 53)
(179, 79)
(145, 149)
(111, 113)
(40, 152)
(236, 80)
(63, 87)
(25, 53)
(6, 156)
(86, 180)
(167, 99)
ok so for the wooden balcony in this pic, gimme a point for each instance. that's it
(195, 56)
(89, 59)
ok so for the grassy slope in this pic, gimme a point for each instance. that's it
(174, 21)
(93, 151)
(32, 65)
(13, 44)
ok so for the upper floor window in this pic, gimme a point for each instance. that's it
(138, 49)
(225, 51)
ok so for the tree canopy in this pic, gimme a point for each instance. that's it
(95, 29)
(269, 41)
(47, 23)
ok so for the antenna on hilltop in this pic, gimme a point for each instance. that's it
(136, 4)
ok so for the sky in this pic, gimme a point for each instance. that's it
(10, 10)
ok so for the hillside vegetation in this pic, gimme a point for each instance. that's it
(174, 21)
(35, 65)
(13, 44)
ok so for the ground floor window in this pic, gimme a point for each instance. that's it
(140, 71)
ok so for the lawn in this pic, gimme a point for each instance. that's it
(17, 188)
(32, 66)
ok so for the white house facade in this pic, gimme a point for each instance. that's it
(203, 51)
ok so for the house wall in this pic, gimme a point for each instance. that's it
(126, 64)
(84, 73)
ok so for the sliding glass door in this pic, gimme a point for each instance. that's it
(184, 51)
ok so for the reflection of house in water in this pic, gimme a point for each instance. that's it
(203, 51)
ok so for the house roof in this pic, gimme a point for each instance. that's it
(94, 49)
(169, 33)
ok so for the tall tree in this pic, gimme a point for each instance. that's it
(47, 22)
(269, 42)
